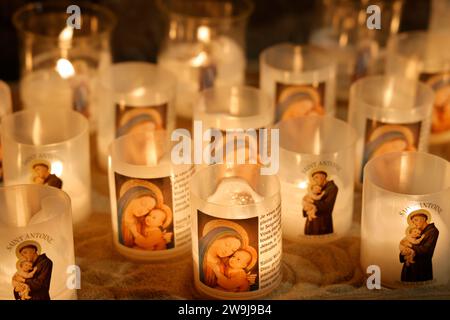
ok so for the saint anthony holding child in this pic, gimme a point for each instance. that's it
(417, 248)
(34, 271)
(318, 204)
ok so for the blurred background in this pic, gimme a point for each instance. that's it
(139, 31)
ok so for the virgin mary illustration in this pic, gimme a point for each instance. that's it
(441, 112)
(143, 218)
(226, 260)
(299, 101)
(138, 120)
(388, 138)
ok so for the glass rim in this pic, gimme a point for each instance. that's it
(163, 6)
(38, 5)
(350, 129)
(318, 50)
(197, 175)
(422, 90)
(256, 92)
(73, 114)
(171, 84)
(401, 154)
(57, 192)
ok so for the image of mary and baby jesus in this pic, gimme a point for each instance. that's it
(145, 222)
(226, 260)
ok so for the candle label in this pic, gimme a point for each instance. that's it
(311, 205)
(131, 119)
(381, 138)
(440, 82)
(45, 170)
(294, 100)
(207, 76)
(239, 255)
(31, 280)
(248, 144)
(145, 211)
(417, 247)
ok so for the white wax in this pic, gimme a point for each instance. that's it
(185, 60)
(234, 191)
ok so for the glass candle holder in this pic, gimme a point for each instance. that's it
(317, 177)
(49, 148)
(426, 56)
(204, 46)
(239, 109)
(236, 226)
(149, 195)
(133, 96)
(299, 79)
(36, 254)
(5, 108)
(405, 218)
(389, 114)
(59, 62)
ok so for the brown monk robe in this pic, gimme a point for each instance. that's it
(323, 223)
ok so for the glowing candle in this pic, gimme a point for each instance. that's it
(236, 232)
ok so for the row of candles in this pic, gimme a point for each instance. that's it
(230, 215)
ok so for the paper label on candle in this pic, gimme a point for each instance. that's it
(45, 169)
(207, 76)
(381, 138)
(440, 82)
(245, 146)
(311, 204)
(130, 119)
(293, 100)
(418, 244)
(239, 255)
(31, 272)
(153, 214)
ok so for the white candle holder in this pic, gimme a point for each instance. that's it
(299, 79)
(49, 148)
(389, 114)
(5, 108)
(236, 231)
(317, 178)
(133, 96)
(59, 63)
(150, 206)
(405, 218)
(426, 56)
(204, 46)
(37, 260)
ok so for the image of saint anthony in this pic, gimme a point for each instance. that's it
(296, 101)
(43, 176)
(145, 222)
(34, 271)
(226, 260)
(318, 204)
(416, 253)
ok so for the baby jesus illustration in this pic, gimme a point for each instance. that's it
(233, 276)
(413, 237)
(314, 193)
(25, 271)
(155, 237)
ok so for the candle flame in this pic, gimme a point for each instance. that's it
(66, 35)
(37, 130)
(57, 168)
(65, 68)
(204, 34)
(302, 185)
(200, 59)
